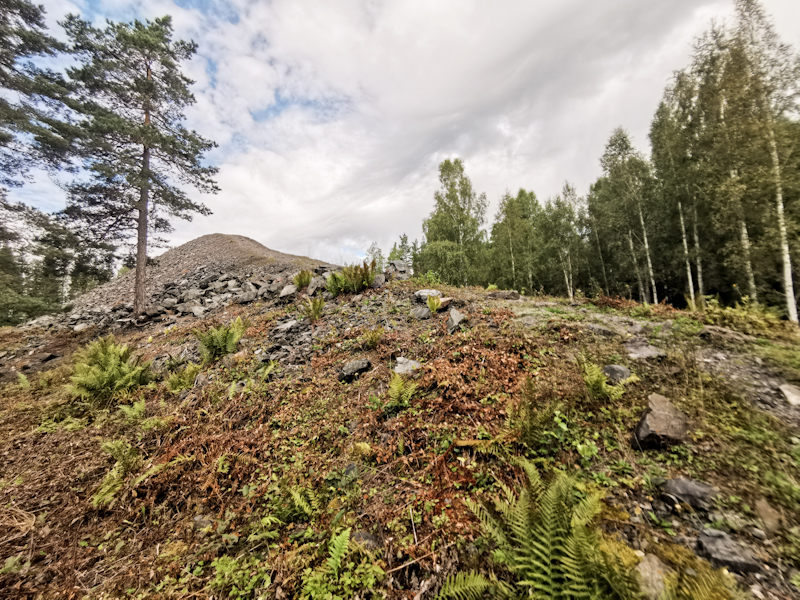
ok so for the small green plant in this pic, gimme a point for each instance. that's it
(400, 394)
(544, 537)
(434, 304)
(243, 577)
(133, 413)
(104, 370)
(345, 573)
(491, 287)
(222, 340)
(22, 382)
(302, 279)
(597, 382)
(429, 278)
(183, 379)
(370, 338)
(312, 308)
(335, 284)
(127, 460)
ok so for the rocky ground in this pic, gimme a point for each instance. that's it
(269, 451)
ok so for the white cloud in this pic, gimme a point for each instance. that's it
(357, 101)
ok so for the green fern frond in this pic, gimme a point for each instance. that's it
(133, 413)
(104, 370)
(222, 340)
(465, 586)
(337, 549)
(127, 460)
(183, 379)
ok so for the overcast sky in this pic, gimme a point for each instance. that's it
(332, 116)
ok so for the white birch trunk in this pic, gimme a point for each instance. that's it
(697, 259)
(647, 253)
(642, 294)
(788, 284)
(686, 256)
(751, 281)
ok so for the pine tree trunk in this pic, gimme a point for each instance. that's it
(647, 253)
(139, 294)
(751, 281)
(642, 294)
(686, 256)
(788, 284)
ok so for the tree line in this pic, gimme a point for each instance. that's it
(111, 128)
(714, 210)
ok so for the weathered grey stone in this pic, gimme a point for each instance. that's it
(232, 284)
(354, 368)
(722, 551)
(696, 494)
(661, 425)
(317, 283)
(422, 295)
(616, 373)
(248, 287)
(421, 312)
(503, 295)
(771, 518)
(152, 311)
(791, 393)
(275, 287)
(168, 302)
(639, 349)
(444, 303)
(600, 330)
(715, 333)
(245, 297)
(284, 327)
(404, 365)
(652, 575)
(380, 281)
(81, 326)
(198, 311)
(455, 320)
(288, 293)
(192, 294)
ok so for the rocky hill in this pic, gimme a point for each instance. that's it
(340, 454)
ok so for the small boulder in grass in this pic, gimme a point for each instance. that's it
(444, 303)
(662, 425)
(455, 321)
(354, 368)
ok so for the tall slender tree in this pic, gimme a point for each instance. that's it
(130, 88)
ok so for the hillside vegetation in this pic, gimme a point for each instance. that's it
(151, 466)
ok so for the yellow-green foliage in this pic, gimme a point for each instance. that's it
(370, 338)
(353, 279)
(346, 573)
(127, 460)
(183, 379)
(597, 382)
(222, 340)
(543, 535)
(400, 394)
(434, 304)
(312, 308)
(243, 577)
(302, 279)
(752, 319)
(104, 369)
(134, 412)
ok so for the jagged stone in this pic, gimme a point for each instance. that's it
(722, 551)
(639, 349)
(248, 288)
(380, 281)
(600, 330)
(169, 302)
(245, 297)
(652, 575)
(661, 425)
(444, 303)
(421, 312)
(317, 283)
(791, 393)
(422, 295)
(404, 365)
(696, 494)
(715, 333)
(288, 293)
(616, 373)
(354, 368)
(503, 295)
(198, 311)
(455, 320)
(284, 327)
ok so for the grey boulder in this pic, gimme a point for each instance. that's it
(421, 312)
(696, 494)
(354, 368)
(404, 365)
(380, 281)
(455, 320)
(661, 425)
(616, 373)
(722, 551)
(288, 293)
(639, 349)
(317, 283)
(422, 295)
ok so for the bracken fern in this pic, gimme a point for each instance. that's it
(104, 370)
(222, 340)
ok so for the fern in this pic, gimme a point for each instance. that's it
(597, 382)
(222, 340)
(312, 308)
(400, 394)
(352, 279)
(183, 379)
(133, 413)
(543, 537)
(104, 370)
(434, 304)
(335, 284)
(370, 338)
(302, 279)
(127, 460)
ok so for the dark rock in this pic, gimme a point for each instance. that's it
(722, 551)
(44, 357)
(284, 327)
(288, 293)
(661, 425)
(405, 366)
(455, 320)
(639, 349)
(421, 312)
(245, 297)
(696, 494)
(380, 281)
(367, 540)
(354, 368)
(616, 373)
(152, 311)
(422, 295)
(275, 287)
(503, 295)
(248, 287)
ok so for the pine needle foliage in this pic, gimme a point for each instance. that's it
(183, 379)
(543, 537)
(302, 279)
(127, 460)
(105, 369)
(312, 308)
(219, 341)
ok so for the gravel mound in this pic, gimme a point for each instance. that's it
(216, 253)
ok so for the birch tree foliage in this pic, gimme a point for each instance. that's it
(515, 241)
(132, 93)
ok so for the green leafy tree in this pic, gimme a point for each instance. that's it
(516, 240)
(132, 93)
(374, 253)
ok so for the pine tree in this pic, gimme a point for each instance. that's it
(132, 93)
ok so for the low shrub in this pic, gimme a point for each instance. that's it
(219, 341)
(434, 304)
(352, 279)
(183, 379)
(312, 308)
(302, 279)
(105, 369)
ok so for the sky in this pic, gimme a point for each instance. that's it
(333, 116)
